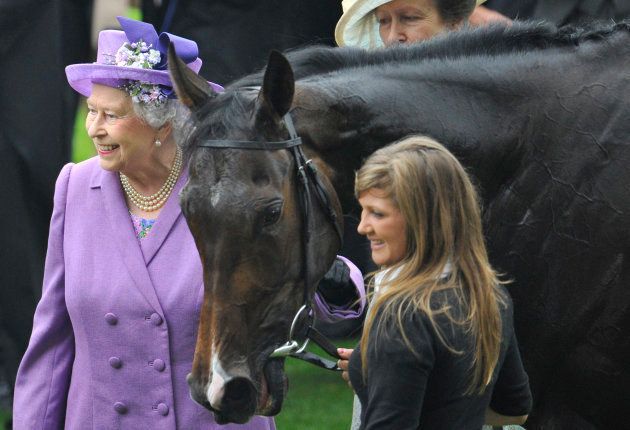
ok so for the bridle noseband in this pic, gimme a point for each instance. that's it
(309, 182)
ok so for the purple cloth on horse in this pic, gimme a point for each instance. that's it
(331, 313)
(115, 331)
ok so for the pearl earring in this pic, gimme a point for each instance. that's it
(158, 142)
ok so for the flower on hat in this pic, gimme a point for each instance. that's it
(142, 92)
(139, 55)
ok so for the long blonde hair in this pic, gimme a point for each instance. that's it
(443, 226)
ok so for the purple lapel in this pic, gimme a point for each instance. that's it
(166, 220)
(125, 237)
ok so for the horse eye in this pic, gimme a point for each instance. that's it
(271, 214)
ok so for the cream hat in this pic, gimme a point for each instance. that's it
(358, 27)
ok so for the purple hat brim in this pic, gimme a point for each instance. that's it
(81, 77)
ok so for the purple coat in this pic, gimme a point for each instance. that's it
(114, 333)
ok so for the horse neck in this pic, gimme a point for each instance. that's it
(347, 120)
(485, 110)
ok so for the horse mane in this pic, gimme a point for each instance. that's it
(491, 40)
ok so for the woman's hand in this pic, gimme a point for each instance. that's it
(343, 363)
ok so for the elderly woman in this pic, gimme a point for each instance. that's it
(438, 350)
(114, 333)
(375, 23)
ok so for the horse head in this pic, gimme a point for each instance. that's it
(243, 208)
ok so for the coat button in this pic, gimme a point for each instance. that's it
(121, 408)
(156, 319)
(115, 362)
(111, 318)
(159, 365)
(162, 409)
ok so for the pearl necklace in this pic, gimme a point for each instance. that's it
(155, 201)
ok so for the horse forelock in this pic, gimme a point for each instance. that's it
(220, 118)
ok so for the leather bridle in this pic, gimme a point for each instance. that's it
(309, 184)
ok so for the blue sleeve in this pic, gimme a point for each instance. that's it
(43, 379)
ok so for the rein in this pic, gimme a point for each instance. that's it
(309, 184)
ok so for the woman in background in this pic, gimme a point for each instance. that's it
(375, 23)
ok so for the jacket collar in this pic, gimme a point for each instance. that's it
(137, 257)
(166, 220)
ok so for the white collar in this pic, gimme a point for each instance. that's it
(391, 274)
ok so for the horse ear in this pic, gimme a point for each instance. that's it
(278, 85)
(191, 89)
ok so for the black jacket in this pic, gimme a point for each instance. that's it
(425, 389)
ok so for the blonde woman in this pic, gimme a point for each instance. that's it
(438, 350)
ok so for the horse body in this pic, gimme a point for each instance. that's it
(540, 122)
(546, 137)
(558, 227)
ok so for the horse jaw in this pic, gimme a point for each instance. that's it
(275, 383)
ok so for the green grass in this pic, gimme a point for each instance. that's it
(317, 398)
(134, 13)
(4, 420)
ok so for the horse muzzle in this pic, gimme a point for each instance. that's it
(236, 398)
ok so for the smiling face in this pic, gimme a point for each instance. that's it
(384, 225)
(408, 21)
(123, 141)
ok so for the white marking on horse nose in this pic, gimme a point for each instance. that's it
(216, 389)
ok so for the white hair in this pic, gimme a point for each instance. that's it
(157, 116)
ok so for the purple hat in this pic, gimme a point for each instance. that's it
(136, 54)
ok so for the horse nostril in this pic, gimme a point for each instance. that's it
(239, 399)
(239, 389)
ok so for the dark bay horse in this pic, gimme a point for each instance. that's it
(541, 119)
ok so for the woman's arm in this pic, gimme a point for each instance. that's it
(511, 399)
(496, 419)
(42, 383)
